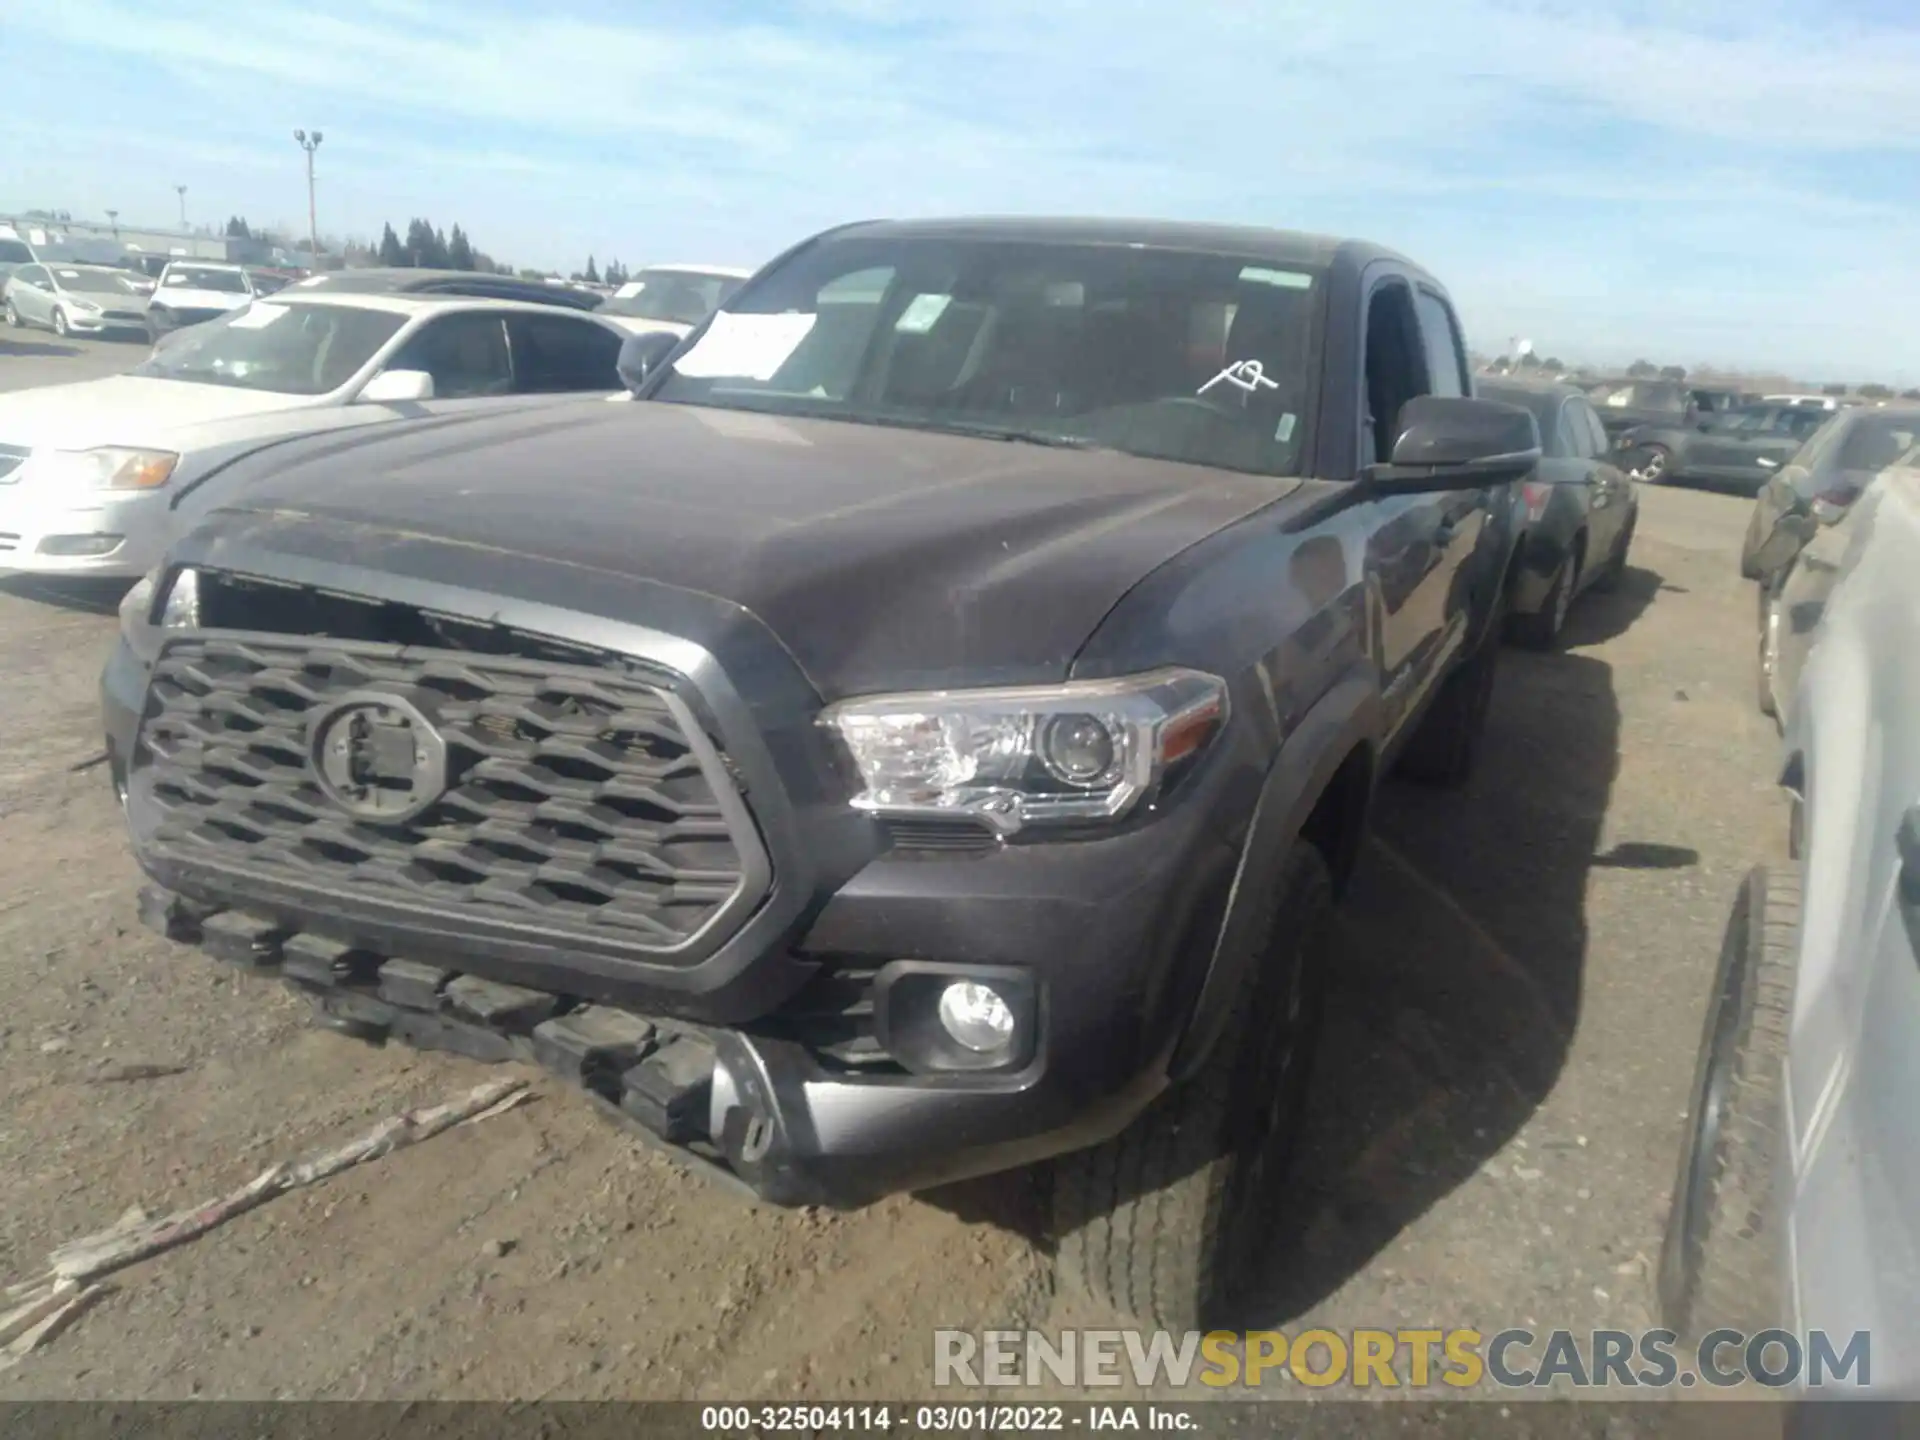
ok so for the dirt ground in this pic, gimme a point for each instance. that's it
(1497, 1104)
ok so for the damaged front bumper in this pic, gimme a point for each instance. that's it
(758, 1114)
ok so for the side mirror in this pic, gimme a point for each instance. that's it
(1783, 545)
(642, 354)
(1457, 443)
(397, 387)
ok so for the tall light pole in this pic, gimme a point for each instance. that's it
(311, 143)
(183, 205)
(113, 219)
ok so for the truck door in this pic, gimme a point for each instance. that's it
(1415, 551)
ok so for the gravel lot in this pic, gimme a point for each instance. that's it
(1497, 1106)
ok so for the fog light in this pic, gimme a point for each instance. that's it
(78, 546)
(976, 1016)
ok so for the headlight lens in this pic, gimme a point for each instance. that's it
(137, 604)
(1086, 750)
(86, 305)
(111, 467)
(181, 609)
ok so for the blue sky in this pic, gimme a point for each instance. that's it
(1733, 181)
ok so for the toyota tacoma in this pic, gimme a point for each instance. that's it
(923, 734)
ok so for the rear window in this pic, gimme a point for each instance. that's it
(13, 252)
(195, 277)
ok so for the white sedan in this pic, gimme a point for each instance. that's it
(92, 475)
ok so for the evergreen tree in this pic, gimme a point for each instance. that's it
(391, 252)
(459, 250)
(592, 276)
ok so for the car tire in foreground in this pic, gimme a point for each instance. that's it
(1541, 629)
(1767, 660)
(1614, 571)
(1167, 1221)
(1720, 1264)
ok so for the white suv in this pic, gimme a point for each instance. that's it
(192, 291)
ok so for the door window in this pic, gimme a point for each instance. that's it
(553, 354)
(465, 354)
(1574, 441)
(1446, 356)
(1596, 432)
(1396, 367)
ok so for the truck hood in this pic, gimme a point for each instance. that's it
(128, 410)
(881, 557)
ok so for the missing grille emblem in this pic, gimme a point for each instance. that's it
(377, 757)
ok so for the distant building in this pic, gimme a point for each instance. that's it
(135, 240)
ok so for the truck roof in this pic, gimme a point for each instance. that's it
(1284, 247)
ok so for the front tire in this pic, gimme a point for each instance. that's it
(1719, 1262)
(1767, 663)
(1167, 1221)
(60, 327)
(1655, 465)
(13, 317)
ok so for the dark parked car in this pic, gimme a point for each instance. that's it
(1579, 510)
(924, 734)
(1736, 450)
(403, 281)
(1798, 536)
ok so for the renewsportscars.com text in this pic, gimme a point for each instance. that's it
(1392, 1359)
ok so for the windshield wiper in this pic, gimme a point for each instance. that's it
(1017, 437)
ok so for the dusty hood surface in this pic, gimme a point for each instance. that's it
(875, 554)
(128, 410)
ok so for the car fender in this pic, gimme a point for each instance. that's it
(1348, 717)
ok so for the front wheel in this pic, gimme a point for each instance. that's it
(1167, 1222)
(13, 316)
(1655, 464)
(1768, 665)
(1719, 1261)
(60, 322)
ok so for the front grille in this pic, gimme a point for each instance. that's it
(581, 800)
(134, 317)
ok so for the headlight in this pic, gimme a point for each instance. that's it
(86, 305)
(1086, 750)
(111, 467)
(181, 609)
(137, 604)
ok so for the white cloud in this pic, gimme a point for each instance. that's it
(1671, 160)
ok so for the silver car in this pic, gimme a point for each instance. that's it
(77, 299)
(1798, 536)
(1798, 1200)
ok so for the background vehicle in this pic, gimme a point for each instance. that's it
(1799, 534)
(1625, 404)
(106, 470)
(402, 281)
(13, 254)
(76, 299)
(672, 298)
(943, 527)
(1799, 1188)
(1807, 402)
(1580, 510)
(1737, 450)
(191, 292)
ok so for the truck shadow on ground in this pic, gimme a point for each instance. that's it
(1463, 960)
(1457, 984)
(93, 597)
(36, 349)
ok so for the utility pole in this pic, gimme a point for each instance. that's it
(113, 219)
(311, 143)
(183, 205)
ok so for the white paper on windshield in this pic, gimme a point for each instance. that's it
(257, 316)
(922, 313)
(744, 347)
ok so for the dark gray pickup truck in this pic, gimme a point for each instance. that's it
(922, 733)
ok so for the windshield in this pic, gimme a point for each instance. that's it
(97, 282)
(1169, 354)
(291, 349)
(1642, 395)
(193, 277)
(680, 297)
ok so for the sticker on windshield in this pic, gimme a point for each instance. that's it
(922, 313)
(744, 347)
(1283, 432)
(1286, 279)
(1246, 375)
(257, 316)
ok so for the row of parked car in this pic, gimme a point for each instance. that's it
(1800, 1177)
(923, 731)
